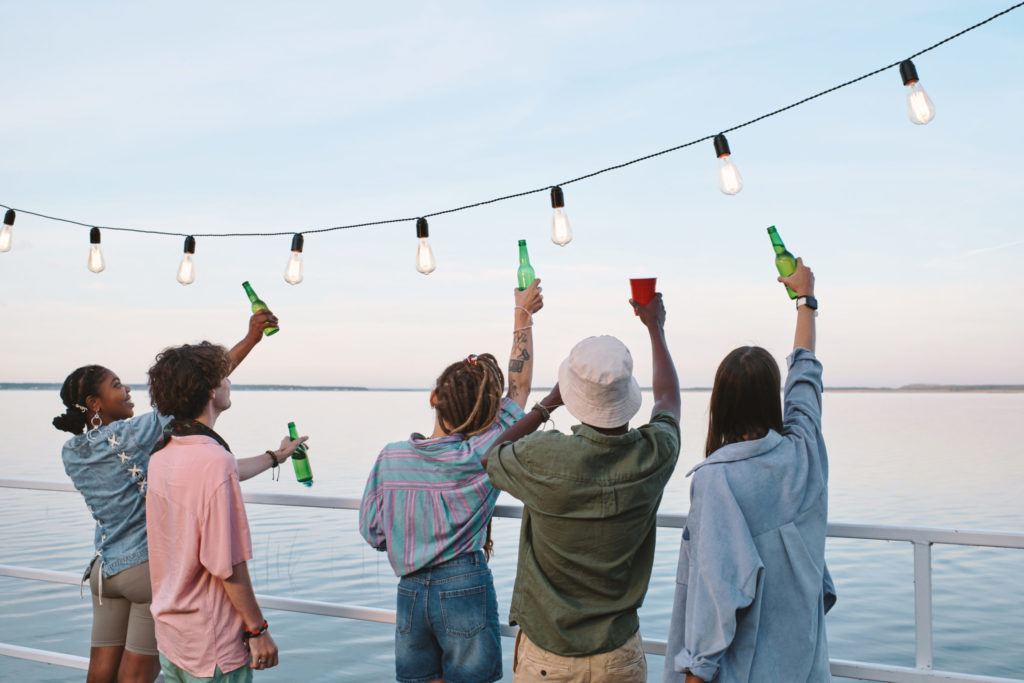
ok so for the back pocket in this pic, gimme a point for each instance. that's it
(464, 611)
(403, 612)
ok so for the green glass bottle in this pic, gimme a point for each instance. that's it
(300, 459)
(784, 261)
(526, 276)
(257, 306)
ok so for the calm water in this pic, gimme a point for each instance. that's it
(925, 459)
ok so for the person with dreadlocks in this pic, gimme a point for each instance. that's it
(428, 504)
(108, 460)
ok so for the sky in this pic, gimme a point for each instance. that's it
(257, 116)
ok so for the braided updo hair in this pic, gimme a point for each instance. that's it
(468, 398)
(468, 395)
(79, 385)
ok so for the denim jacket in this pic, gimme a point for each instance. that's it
(752, 588)
(108, 466)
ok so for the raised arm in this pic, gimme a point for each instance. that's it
(257, 323)
(665, 382)
(802, 282)
(520, 363)
(528, 424)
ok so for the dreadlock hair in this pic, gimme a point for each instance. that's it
(79, 385)
(469, 395)
(468, 398)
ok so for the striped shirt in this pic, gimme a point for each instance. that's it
(429, 500)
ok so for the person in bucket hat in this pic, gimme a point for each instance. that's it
(590, 501)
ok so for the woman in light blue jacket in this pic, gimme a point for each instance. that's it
(752, 587)
(107, 460)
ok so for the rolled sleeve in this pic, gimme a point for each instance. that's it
(224, 539)
(370, 526)
(504, 469)
(664, 430)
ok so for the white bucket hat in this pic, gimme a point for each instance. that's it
(596, 382)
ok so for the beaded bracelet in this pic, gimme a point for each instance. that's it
(544, 412)
(247, 634)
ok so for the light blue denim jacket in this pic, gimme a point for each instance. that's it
(752, 587)
(109, 466)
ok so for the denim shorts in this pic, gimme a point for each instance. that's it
(447, 623)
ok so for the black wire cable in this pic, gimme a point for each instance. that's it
(525, 193)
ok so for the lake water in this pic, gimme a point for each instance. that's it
(948, 460)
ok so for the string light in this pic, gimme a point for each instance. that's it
(425, 262)
(5, 234)
(187, 270)
(293, 271)
(96, 263)
(561, 233)
(729, 179)
(919, 105)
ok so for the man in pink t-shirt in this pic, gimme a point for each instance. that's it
(208, 624)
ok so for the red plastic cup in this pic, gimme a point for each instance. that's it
(643, 290)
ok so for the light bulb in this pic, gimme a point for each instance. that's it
(729, 179)
(561, 233)
(919, 105)
(96, 263)
(5, 234)
(187, 270)
(425, 262)
(293, 271)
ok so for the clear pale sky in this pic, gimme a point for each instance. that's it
(200, 117)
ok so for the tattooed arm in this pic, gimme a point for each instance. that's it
(520, 364)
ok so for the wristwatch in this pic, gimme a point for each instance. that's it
(808, 301)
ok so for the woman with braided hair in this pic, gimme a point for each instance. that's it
(107, 460)
(428, 504)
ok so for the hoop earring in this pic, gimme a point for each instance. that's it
(96, 422)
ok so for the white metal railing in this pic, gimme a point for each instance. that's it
(922, 538)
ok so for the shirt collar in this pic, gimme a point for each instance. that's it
(590, 434)
(421, 441)
(741, 450)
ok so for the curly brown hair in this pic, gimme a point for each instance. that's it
(183, 377)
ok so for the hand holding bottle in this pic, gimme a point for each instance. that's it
(289, 446)
(260, 321)
(801, 281)
(530, 298)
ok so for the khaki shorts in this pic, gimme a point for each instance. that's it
(627, 664)
(123, 619)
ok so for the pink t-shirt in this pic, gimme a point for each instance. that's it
(198, 531)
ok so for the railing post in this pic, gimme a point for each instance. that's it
(923, 604)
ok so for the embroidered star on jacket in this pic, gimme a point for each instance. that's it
(135, 471)
(113, 440)
(124, 457)
(142, 486)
